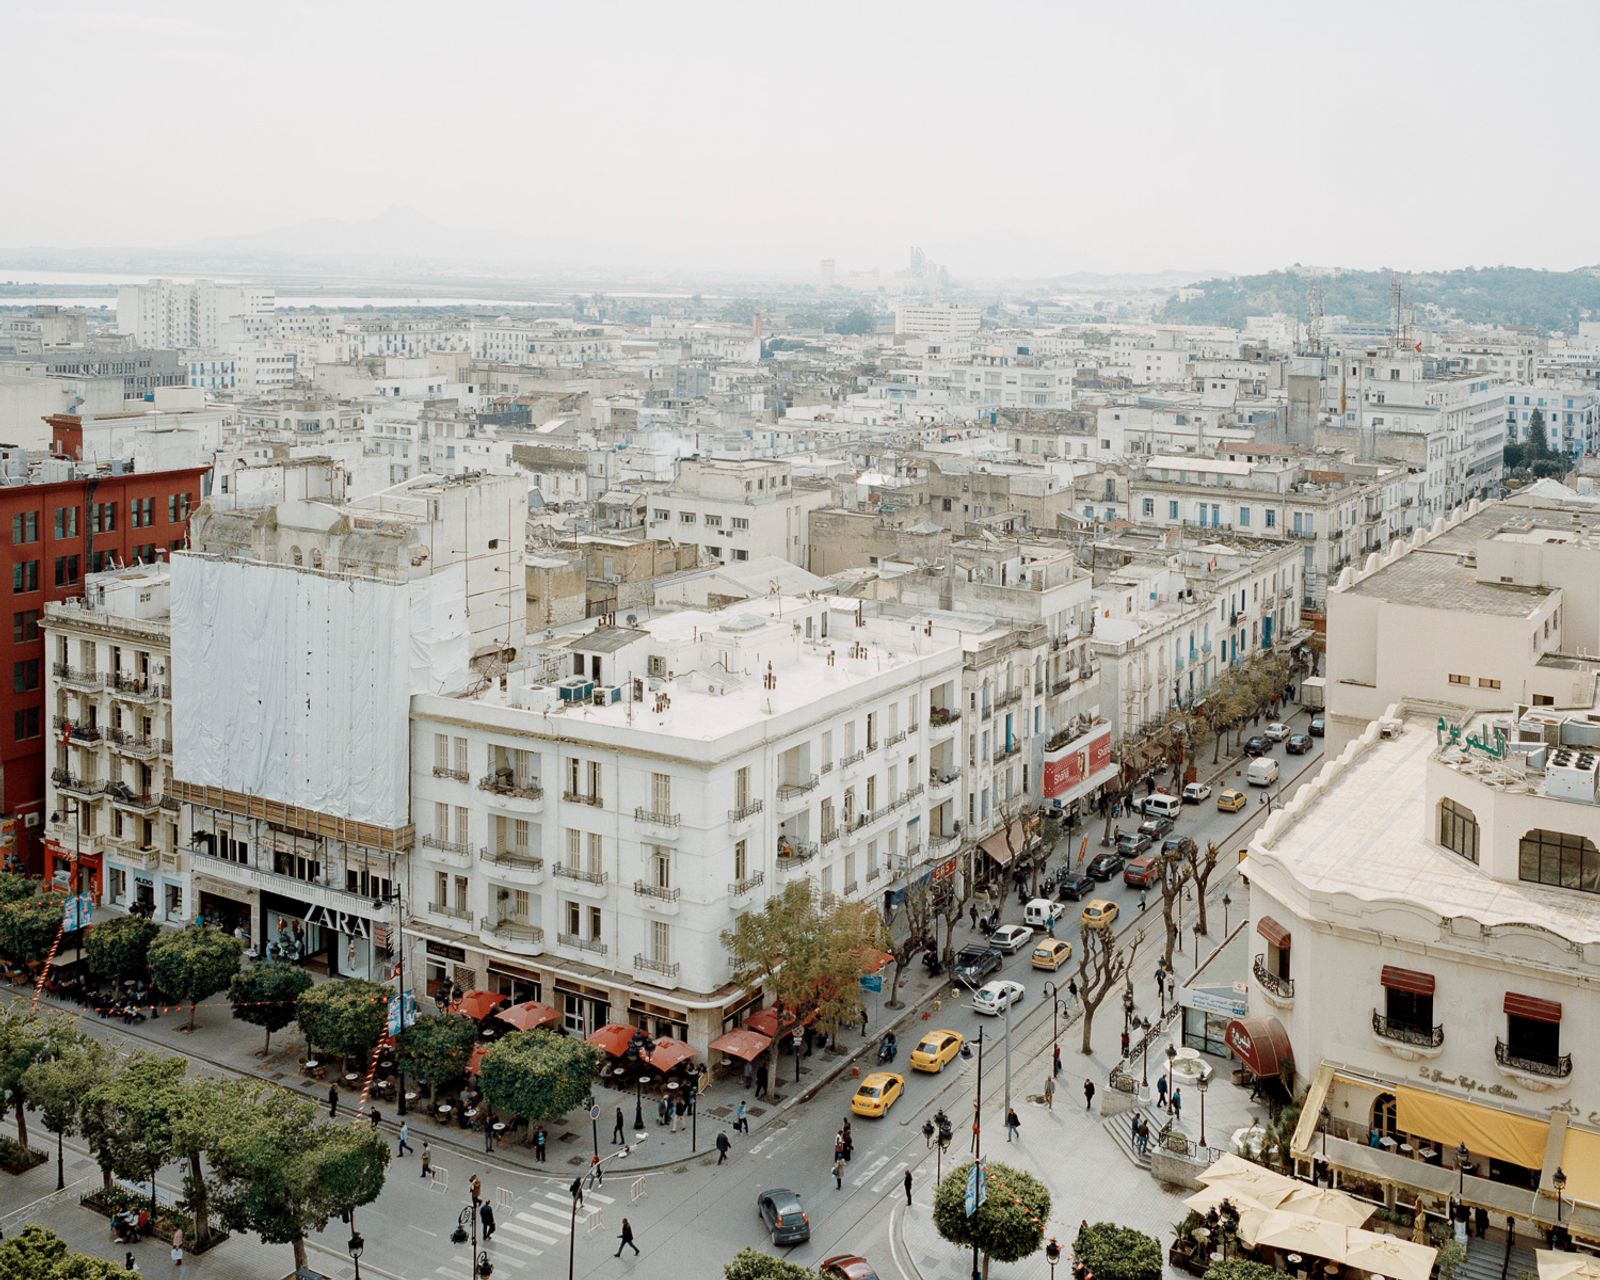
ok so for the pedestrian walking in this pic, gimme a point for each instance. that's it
(749, 1074)
(539, 1139)
(972, 912)
(177, 1247)
(1124, 1044)
(1088, 1095)
(1055, 1063)
(1142, 903)
(333, 1101)
(908, 1188)
(616, 1129)
(838, 1147)
(761, 1081)
(849, 1144)
(838, 1172)
(404, 1147)
(377, 1119)
(1050, 1092)
(486, 1215)
(863, 1019)
(1480, 1219)
(1013, 1126)
(475, 1188)
(677, 1109)
(1161, 1091)
(1072, 992)
(722, 1148)
(1177, 1103)
(576, 1191)
(741, 1121)
(626, 1237)
(129, 1262)
(427, 1160)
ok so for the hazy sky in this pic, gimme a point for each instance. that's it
(1002, 137)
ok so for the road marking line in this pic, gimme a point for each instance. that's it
(866, 1174)
(516, 1230)
(548, 1218)
(497, 1242)
(894, 1176)
(424, 1230)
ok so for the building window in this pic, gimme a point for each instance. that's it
(25, 723)
(1244, 517)
(1485, 683)
(24, 626)
(1272, 518)
(66, 570)
(24, 527)
(1559, 859)
(661, 941)
(1455, 679)
(142, 512)
(1148, 507)
(1458, 829)
(102, 517)
(66, 522)
(1172, 510)
(24, 577)
(741, 861)
(177, 507)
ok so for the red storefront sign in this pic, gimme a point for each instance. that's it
(1067, 767)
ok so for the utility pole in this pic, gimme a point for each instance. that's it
(1008, 1061)
(977, 1133)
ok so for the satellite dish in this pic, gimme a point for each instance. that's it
(633, 619)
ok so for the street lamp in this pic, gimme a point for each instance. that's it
(356, 1245)
(1127, 1007)
(1559, 1182)
(1172, 1056)
(379, 901)
(76, 810)
(466, 1221)
(1052, 1255)
(572, 1238)
(1461, 1170)
(1202, 1084)
(943, 1145)
(1145, 1027)
(1226, 903)
(1327, 1117)
(638, 1102)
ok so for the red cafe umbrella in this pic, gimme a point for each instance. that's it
(478, 1005)
(613, 1038)
(475, 1059)
(529, 1015)
(669, 1053)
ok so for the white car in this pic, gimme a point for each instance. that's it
(1196, 793)
(1276, 732)
(996, 997)
(1011, 938)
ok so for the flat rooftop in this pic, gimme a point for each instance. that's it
(1443, 582)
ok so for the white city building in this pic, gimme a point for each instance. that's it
(588, 832)
(738, 509)
(1570, 410)
(937, 321)
(187, 313)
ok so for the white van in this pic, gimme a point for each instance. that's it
(1161, 805)
(1041, 911)
(1263, 772)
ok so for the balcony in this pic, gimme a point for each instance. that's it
(516, 859)
(454, 775)
(137, 688)
(582, 943)
(1007, 698)
(77, 677)
(133, 854)
(1541, 1070)
(85, 735)
(1277, 990)
(502, 783)
(893, 740)
(1408, 1040)
(565, 872)
(450, 913)
(577, 797)
(648, 964)
(72, 785)
(126, 744)
(1006, 752)
(855, 757)
(943, 717)
(746, 811)
(459, 847)
(650, 817)
(741, 887)
(644, 889)
(515, 930)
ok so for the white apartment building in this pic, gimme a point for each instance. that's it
(302, 625)
(1427, 948)
(936, 320)
(186, 313)
(1568, 407)
(587, 833)
(543, 344)
(108, 793)
(1511, 356)
(391, 336)
(737, 509)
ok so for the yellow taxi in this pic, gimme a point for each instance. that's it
(1231, 801)
(1051, 954)
(1099, 914)
(936, 1050)
(878, 1092)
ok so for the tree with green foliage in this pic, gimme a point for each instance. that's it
(191, 964)
(119, 947)
(752, 1264)
(201, 1111)
(282, 1175)
(538, 1075)
(434, 1050)
(24, 1039)
(30, 926)
(1112, 1252)
(1008, 1226)
(59, 1081)
(267, 995)
(1241, 1269)
(14, 888)
(127, 1119)
(856, 322)
(35, 1253)
(345, 1017)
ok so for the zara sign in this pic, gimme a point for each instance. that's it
(339, 921)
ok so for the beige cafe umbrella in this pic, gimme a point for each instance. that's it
(1557, 1264)
(1324, 1202)
(1206, 1199)
(1243, 1178)
(1388, 1256)
(1296, 1234)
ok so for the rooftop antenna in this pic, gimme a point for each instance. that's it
(1314, 317)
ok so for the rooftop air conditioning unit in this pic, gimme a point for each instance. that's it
(1572, 774)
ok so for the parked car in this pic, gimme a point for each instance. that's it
(1051, 954)
(1173, 844)
(1140, 872)
(783, 1216)
(1040, 913)
(975, 962)
(1196, 793)
(1075, 884)
(996, 997)
(1155, 828)
(1298, 744)
(1099, 914)
(1105, 865)
(1159, 804)
(847, 1266)
(1011, 938)
(1317, 727)
(1231, 801)
(877, 1093)
(1276, 731)
(1257, 746)
(936, 1050)
(1130, 844)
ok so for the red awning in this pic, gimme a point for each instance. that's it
(1409, 980)
(1532, 1007)
(998, 851)
(1272, 931)
(766, 1022)
(872, 961)
(669, 1053)
(475, 1059)
(529, 1015)
(613, 1038)
(741, 1043)
(478, 1005)
(1260, 1043)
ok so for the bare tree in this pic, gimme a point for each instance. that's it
(1172, 873)
(911, 928)
(1200, 868)
(1020, 822)
(1102, 965)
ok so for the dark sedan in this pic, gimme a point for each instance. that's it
(1257, 746)
(1130, 844)
(1155, 828)
(1075, 884)
(1317, 727)
(1104, 866)
(783, 1216)
(1298, 744)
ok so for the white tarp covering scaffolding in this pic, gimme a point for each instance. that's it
(295, 685)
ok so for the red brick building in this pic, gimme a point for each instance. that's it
(52, 532)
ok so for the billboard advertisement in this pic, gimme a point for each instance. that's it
(1067, 767)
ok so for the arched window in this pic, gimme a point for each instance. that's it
(316, 557)
(295, 553)
(1384, 1121)
(1458, 829)
(1560, 859)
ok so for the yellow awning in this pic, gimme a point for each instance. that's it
(1580, 1161)
(1485, 1130)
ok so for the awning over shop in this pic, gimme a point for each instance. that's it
(1260, 1043)
(1580, 1161)
(1519, 1006)
(766, 1022)
(669, 1053)
(741, 1043)
(1412, 981)
(873, 961)
(475, 1058)
(1486, 1130)
(996, 846)
(612, 1039)
(1272, 931)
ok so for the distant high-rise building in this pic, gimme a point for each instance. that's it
(919, 260)
(827, 273)
(186, 313)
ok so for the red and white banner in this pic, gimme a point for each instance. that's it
(1068, 767)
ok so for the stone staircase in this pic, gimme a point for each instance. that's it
(1120, 1126)
(1486, 1257)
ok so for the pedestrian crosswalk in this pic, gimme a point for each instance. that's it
(527, 1230)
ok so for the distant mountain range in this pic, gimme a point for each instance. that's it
(1547, 300)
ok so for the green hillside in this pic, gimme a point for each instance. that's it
(1498, 295)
